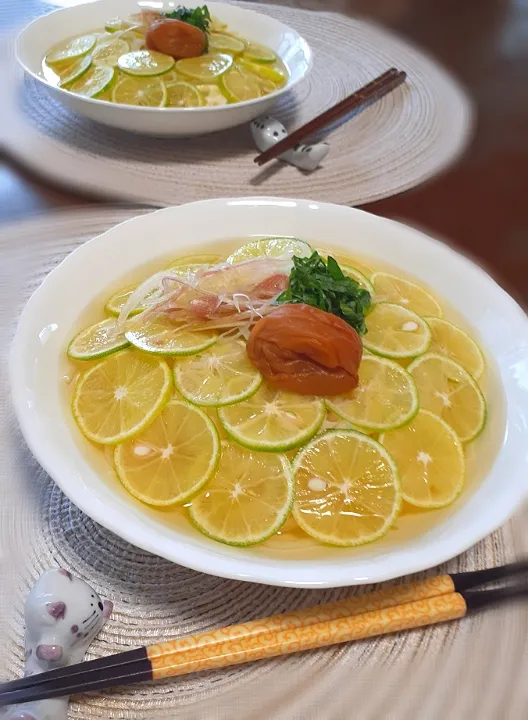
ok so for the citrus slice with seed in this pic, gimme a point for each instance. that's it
(145, 63)
(359, 277)
(248, 499)
(430, 460)
(117, 398)
(347, 490)
(143, 92)
(239, 86)
(389, 288)
(222, 42)
(385, 398)
(172, 459)
(74, 70)
(97, 341)
(221, 375)
(396, 332)
(264, 72)
(272, 420)
(108, 53)
(259, 53)
(71, 49)
(273, 247)
(183, 95)
(448, 339)
(94, 82)
(447, 390)
(160, 336)
(205, 68)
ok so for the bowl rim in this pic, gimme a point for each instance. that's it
(265, 570)
(308, 53)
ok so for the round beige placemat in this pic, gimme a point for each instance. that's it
(474, 668)
(397, 143)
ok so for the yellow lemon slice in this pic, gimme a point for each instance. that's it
(120, 396)
(97, 341)
(145, 63)
(395, 332)
(248, 499)
(70, 49)
(143, 92)
(448, 339)
(346, 488)
(447, 390)
(172, 459)
(205, 68)
(221, 375)
(273, 420)
(430, 460)
(385, 398)
(392, 289)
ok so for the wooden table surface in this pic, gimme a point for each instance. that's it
(481, 204)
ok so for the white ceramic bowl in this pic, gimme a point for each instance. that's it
(39, 36)
(89, 273)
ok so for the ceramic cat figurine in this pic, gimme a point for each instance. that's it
(63, 615)
(267, 131)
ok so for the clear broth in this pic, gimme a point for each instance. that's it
(292, 543)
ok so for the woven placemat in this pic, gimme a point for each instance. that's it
(395, 144)
(473, 668)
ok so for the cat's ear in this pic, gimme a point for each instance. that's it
(107, 608)
(50, 653)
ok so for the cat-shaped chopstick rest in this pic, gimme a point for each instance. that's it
(63, 615)
(267, 131)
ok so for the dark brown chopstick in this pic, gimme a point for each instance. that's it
(448, 597)
(374, 90)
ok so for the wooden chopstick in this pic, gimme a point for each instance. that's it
(387, 610)
(374, 90)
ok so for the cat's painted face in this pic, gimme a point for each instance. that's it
(63, 614)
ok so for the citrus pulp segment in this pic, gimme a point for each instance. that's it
(347, 490)
(430, 460)
(221, 375)
(247, 500)
(385, 398)
(273, 420)
(172, 459)
(120, 396)
(447, 390)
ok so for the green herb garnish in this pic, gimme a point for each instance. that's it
(325, 286)
(199, 17)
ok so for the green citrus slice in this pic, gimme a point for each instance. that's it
(116, 24)
(448, 339)
(222, 42)
(108, 53)
(395, 332)
(172, 459)
(160, 336)
(143, 92)
(97, 341)
(358, 276)
(248, 499)
(205, 68)
(447, 390)
(392, 289)
(347, 490)
(117, 398)
(273, 247)
(221, 375)
(183, 95)
(430, 460)
(273, 420)
(145, 63)
(71, 49)
(259, 53)
(94, 82)
(74, 70)
(239, 86)
(385, 398)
